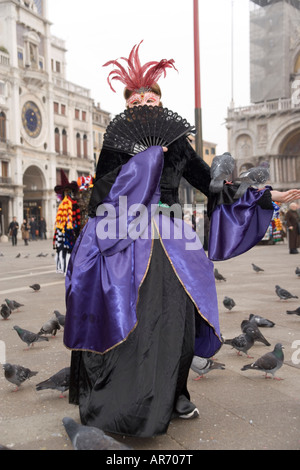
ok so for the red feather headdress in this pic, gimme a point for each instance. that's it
(138, 76)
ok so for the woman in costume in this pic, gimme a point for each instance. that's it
(140, 307)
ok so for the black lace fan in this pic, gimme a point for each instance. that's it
(138, 128)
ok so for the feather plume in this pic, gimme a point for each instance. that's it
(138, 76)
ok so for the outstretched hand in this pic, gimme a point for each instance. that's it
(285, 196)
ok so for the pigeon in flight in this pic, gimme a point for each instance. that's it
(257, 269)
(242, 342)
(29, 337)
(228, 303)
(221, 169)
(255, 176)
(269, 362)
(90, 438)
(218, 276)
(17, 374)
(59, 381)
(255, 332)
(202, 366)
(261, 321)
(284, 294)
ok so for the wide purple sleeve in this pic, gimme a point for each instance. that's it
(235, 228)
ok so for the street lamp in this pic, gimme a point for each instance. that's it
(198, 111)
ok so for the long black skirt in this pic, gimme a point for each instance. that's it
(133, 388)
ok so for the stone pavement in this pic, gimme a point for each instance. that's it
(238, 409)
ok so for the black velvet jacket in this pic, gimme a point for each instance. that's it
(180, 160)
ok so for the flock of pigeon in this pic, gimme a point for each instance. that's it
(82, 437)
(270, 362)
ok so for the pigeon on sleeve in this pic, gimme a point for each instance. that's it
(17, 374)
(255, 176)
(228, 303)
(29, 337)
(255, 331)
(269, 362)
(90, 438)
(59, 381)
(50, 327)
(261, 321)
(202, 366)
(218, 276)
(284, 294)
(5, 311)
(221, 169)
(242, 342)
(256, 268)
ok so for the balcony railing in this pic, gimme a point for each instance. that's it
(5, 180)
(266, 108)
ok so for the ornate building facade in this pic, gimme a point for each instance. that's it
(269, 128)
(46, 122)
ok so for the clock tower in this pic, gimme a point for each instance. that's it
(45, 121)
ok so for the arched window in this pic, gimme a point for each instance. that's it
(2, 127)
(78, 146)
(64, 142)
(57, 140)
(85, 146)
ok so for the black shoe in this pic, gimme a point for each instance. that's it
(185, 409)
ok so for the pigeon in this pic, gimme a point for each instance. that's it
(284, 294)
(90, 438)
(35, 287)
(297, 271)
(257, 269)
(218, 276)
(50, 327)
(228, 303)
(42, 255)
(260, 321)
(29, 337)
(18, 255)
(252, 177)
(17, 374)
(202, 366)
(294, 312)
(13, 304)
(5, 311)
(221, 169)
(269, 362)
(243, 342)
(59, 381)
(61, 318)
(257, 335)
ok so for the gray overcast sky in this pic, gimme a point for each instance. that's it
(96, 31)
